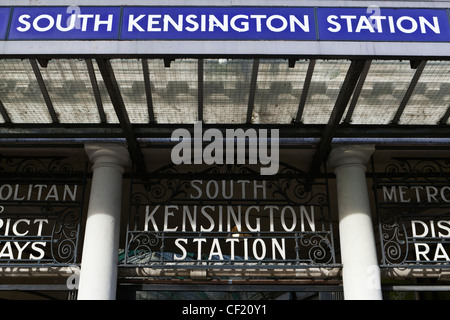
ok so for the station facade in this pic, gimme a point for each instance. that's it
(238, 150)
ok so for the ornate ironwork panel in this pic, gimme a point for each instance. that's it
(41, 202)
(229, 216)
(413, 204)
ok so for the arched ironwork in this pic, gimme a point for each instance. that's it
(230, 217)
(41, 203)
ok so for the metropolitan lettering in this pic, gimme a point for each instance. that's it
(407, 194)
(38, 192)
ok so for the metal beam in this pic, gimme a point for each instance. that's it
(252, 92)
(418, 287)
(445, 117)
(96, 90)
(4, 113)
(34, 287)
(44, 91)
(274, 287)
(351, 79)
(409, 92)
(200, 89)
(306, 85)
(211, 287)
(119, 106)
(389, 134)
(148, 91)
(69, 132)
(357, 93)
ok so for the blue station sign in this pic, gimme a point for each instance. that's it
(229, 23)
(224, 23)
(374, 24)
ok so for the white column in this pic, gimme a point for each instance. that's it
(98, 277)
(361, 273)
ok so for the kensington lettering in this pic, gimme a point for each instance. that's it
(228, 218)
(210, 23)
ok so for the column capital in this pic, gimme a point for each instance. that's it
(350, 154)
(107, 153)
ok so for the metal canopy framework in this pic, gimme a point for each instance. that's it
(138, 98)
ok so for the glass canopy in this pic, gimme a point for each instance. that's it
(323, 100)
(223, 90)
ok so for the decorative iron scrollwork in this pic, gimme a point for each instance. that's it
(319, 247)
(410, 169)
(65, 235)
(33, 167)
(393, 234)
(141, 247)
(413, 205)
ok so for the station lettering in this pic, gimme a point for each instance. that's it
(380, 24)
